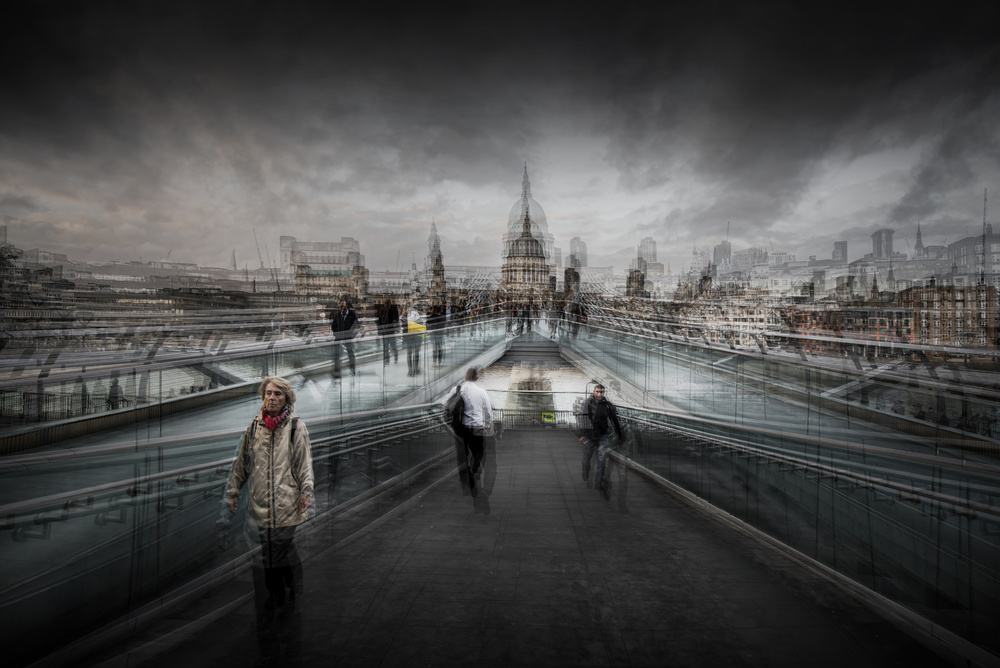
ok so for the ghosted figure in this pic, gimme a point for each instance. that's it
(595, 420)
(275, 457)
(577, 317)
(413, 338)
(477, 420)
(388, 324)
(435, 326)
(84, 395)
(116, 395)
(345, 327)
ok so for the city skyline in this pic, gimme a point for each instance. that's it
(126, 134)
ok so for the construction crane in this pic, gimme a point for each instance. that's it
(259, 256)
(982, 265)
(274, 269)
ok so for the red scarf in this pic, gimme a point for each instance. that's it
(273, 422)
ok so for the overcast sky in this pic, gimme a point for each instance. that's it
(140, 130)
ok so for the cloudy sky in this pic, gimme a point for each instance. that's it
(147, 130)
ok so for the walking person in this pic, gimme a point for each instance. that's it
(435, 327)
(345, 327)
(388, 325)
(413, 338)
(116, 396)
(477, 420)
(577, 317)
(594, 431)
(84, 394)
(275, 458)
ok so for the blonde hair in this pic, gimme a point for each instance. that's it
(282, 385)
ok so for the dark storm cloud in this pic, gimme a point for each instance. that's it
(952, 164)
(282, 118)
(756, 100)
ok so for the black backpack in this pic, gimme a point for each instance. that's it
(454, 408)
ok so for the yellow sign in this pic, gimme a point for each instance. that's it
(548, 417)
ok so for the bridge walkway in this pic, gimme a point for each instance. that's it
(539, 569)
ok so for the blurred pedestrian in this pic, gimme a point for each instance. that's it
(477, 420)
(116, 395)
(345, 327)
(596, 418)
(388, 325)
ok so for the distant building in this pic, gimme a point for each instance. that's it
(778, 258)
(331, 285)
(722, 255)
(882, 244)
(320, 255)
(433, 245)
(966, 256)
(439, 287)
(525, 272)
(840, 251)
(747, 259)
(647, 249)
(578, 250)
(539, 224)
(37, 256)
(635, 282)
(952, 316)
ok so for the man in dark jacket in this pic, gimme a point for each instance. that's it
(345, 327)
(388, 325)
(594, 431)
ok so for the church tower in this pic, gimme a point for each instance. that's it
(918, 248)
(433, 244)
(439, 288)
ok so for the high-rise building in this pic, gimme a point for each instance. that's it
(722, 254)
(647, 249)
(882, 244)
(578, 249)
(840, 251)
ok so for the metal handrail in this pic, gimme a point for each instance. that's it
(19, 461)
(964, 464)
(869, 482)
(10, 511)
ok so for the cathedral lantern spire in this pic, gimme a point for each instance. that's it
(525, 185)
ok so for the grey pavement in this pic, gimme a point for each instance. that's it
(547, 572)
